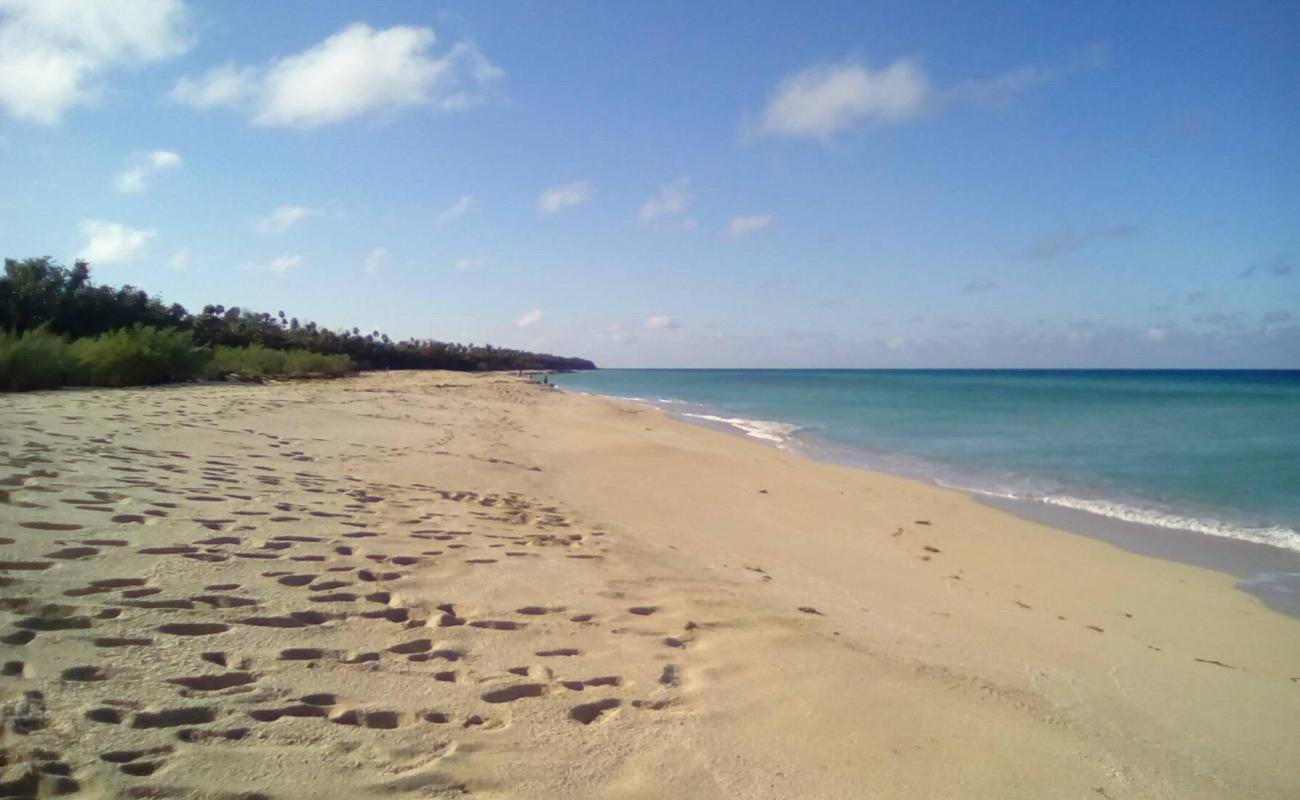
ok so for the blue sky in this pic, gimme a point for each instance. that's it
(682, 184)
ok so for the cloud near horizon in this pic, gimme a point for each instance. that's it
(1061, 241)
(180, 260)
(529, 318)
(355, 72)
(53, 55)
(111, 242)
(374, 261)
(281, 264)
(659, 322)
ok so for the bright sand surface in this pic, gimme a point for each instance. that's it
(435, 584)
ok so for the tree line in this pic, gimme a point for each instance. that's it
(38, 293)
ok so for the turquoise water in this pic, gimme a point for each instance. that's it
(1208, 452)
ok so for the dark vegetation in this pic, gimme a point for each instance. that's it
(58, 328)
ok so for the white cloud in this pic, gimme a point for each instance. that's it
(1000, 89)
(469, 264)
(619, 335)
(822, 100)
(896, 343)
(53, 53)
(658, 322)
(558, 198)
(110, 242)
(1156, 334)
(1003, 88)
(283, 218)
(355, 72)
(229, 85)
(143, 166)
(375, 260)
(530, 318)
(743, 226)
(456, 210)
(180, 260)
(673, 199)
(282, 263)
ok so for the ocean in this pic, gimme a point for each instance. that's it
(1202, 453)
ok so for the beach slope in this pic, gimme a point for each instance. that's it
(436, 584)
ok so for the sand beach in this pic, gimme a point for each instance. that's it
(436, 584)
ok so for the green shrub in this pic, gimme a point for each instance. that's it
(36, 359)
(141, 356)
(136, 357)
(256, 362)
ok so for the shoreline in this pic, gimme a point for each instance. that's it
(433, 584)
(1267, 571)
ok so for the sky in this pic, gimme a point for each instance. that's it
(682, 184)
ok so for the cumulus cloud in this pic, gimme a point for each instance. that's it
(143, 166)
(180, 260)
(1061, 241)
(282, 263)
(229, 85)
(1278, 266)
(456, 210)
(355, 72)
(375, 261)
(54, 53)
(619, 335)
(530, 318)
(744, 226)
(469, 264)
(111, 242)
(564, 196)
(282, 218)
(825, 99)
(672, 200)
(896, 343)
(979, 285)
(1156, 334)
(658, 322)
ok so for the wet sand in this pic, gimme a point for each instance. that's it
(432, 584)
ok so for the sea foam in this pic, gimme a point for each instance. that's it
(1274, 535)
(766, 430)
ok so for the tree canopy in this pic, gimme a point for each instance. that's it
(38, 292)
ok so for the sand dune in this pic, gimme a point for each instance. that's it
(445, 585)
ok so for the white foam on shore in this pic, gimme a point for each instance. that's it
(780, 434)
(766, 430)
(1272, 535)
(1276, 536)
